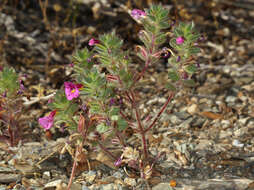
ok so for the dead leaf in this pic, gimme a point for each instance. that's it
(181, 157)
(103, 158)
(148, 172)
(211, 115)
(130, 154)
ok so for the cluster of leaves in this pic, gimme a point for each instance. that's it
(183, 65)
(153, 35)
(9, 84)
(10, 107)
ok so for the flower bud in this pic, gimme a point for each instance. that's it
(179, 40)
(142, 51)
(178, 59)
(93, 41)
(137, 14)
(118, 162)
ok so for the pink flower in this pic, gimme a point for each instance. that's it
(179, 40)
(71, 90)
(137, 13)
(47, 121)
(93, 41)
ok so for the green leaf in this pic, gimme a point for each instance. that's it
(71, 109)
(82, 60)
(60, 101)
(173, 75)
(114, 117)
(191, 69)
(95, 107)
(122, 124)
(9, 81)
(193, 37)
(170, 86)
(160, 39)
(178, 32)
(114, 111)
(173, 43)
(156, 20)
(194, 50)
(188, 28)
(102, 128)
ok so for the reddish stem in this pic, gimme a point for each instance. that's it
(131, 125)
(140, 125)
(143, 71)
(148, 61)
(74, 166)
(160, 112)
(106, 151)
(118, 135)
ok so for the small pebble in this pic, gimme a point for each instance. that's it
(46, 175)
(236, 143)
(193, 109)
(130, 181)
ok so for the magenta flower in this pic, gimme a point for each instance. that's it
(47, 121)
(93, 41)
(137, 13)
(71, 90)
(179, 40)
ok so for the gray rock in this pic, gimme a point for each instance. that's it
(118, 174)
(182, 115)
(231, 99)
(236, 143)
(174, 119)
(9, 178)
(110, 186)
(76, 186)
(162, 186)
(186, 123)
(85, 187)
(21, 187)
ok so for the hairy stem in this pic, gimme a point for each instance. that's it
(74, 166)
(106, 151)
(143, 71)
(118, 135)
(140, 125)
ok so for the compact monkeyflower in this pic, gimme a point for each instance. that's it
(179, 40)
(47, 121)
(93, 41)
(137, 13)
(71, 90)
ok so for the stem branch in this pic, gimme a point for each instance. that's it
(140, 125)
